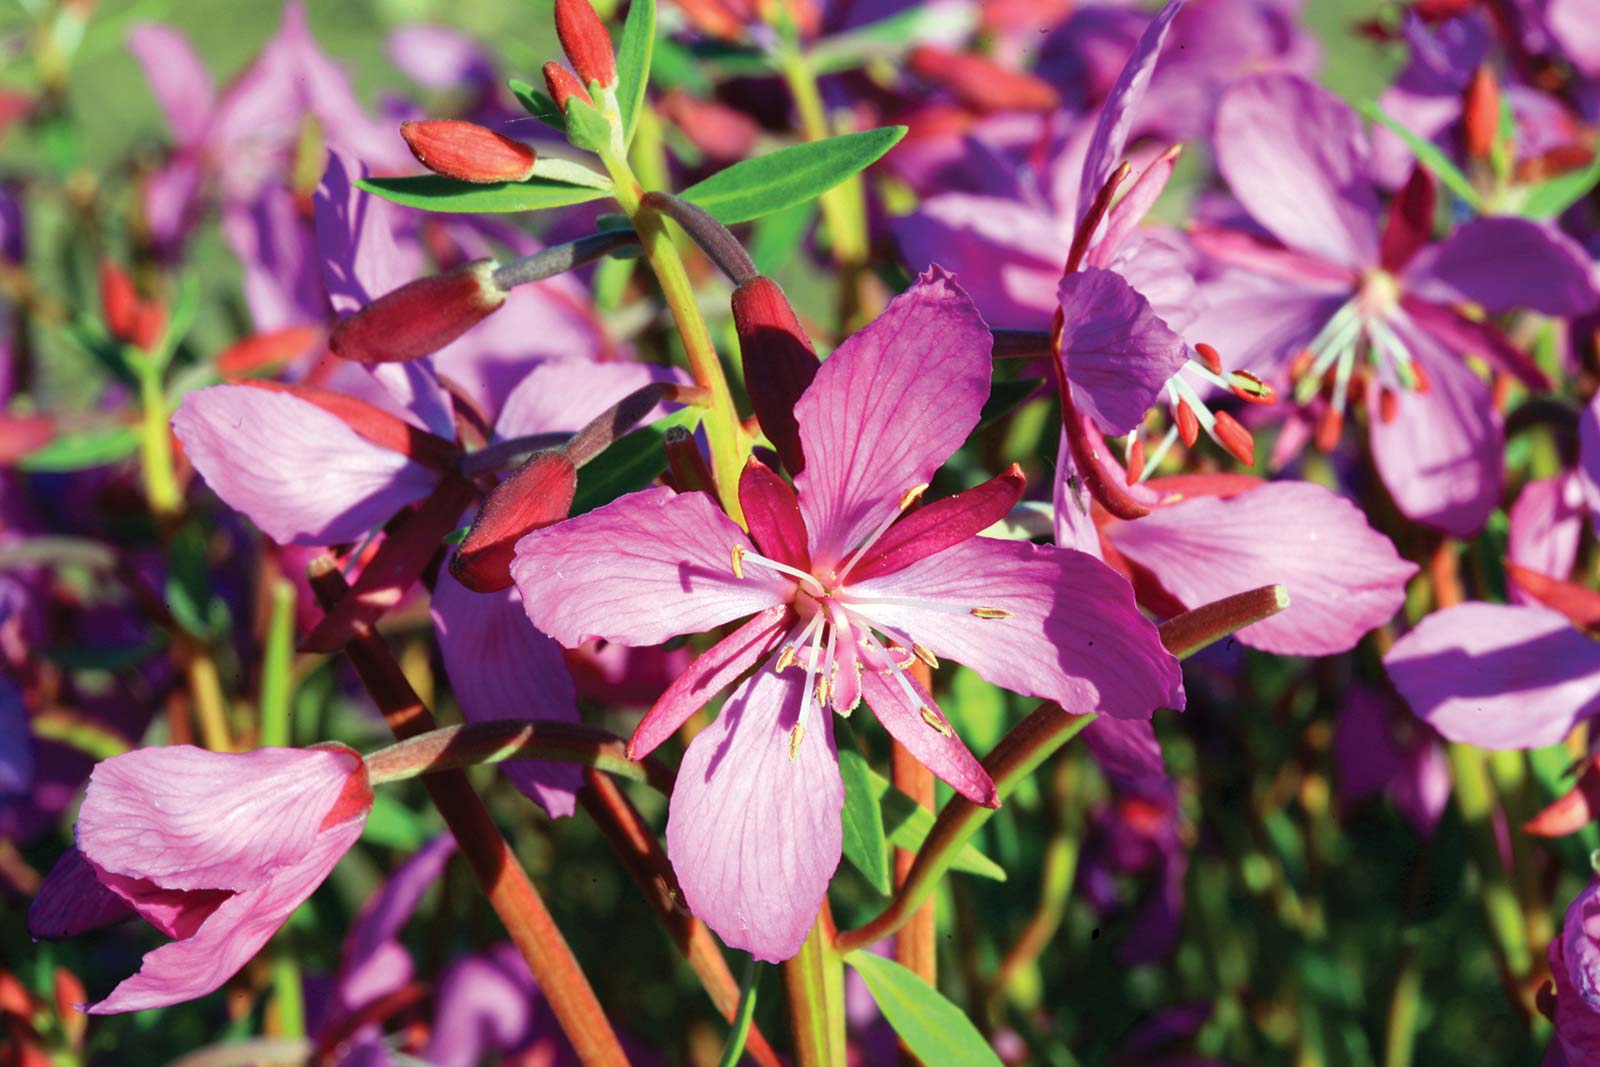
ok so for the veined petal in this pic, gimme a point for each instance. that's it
(562, 395)
(1115, 350)
(1297, 159)
(298, 472)
(1498, 676)
(753, 829)
(1546, 526)
(936, 747)
(935, 527)
(887, 409)
(772, 513)
(1008, 255)
(1343, 577)
(644, 568)
(1262, 322)
(1504, 263)
(502, 668)
(1074, 636)
(71, 900)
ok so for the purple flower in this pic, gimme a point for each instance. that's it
(1575, 967)
(831, 565)
(1371, 759)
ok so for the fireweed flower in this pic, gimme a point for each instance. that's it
(1371, 757)
(1575, 969)
(846, 586)
(215, 850)
(1378, 314)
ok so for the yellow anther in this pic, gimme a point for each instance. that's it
(797, 735)
(932, 718)
(738, 561)
(993, 613)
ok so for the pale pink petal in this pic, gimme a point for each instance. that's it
(1343, 577)
(298, 472)
(1074, 523)
(357, 239)
(1259, 322)
(1128, 755)
(934, 744)
(1075, 635)
(562, 395)
(887, 409)
(225, 942)
(189, 818)
(180, 81)
(502, 668)
(1546, 526)
(644, 568)
(1498, 676)
(1297, 159)
(753, 830)
(1116, 351)
(1575, 967)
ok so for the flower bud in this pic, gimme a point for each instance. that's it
(982, 84)
(129, 319)
(563, 86)
(420, 317)
(586, 42)
(468, 152)
(1480, 114)
(538, 494)
(779, 363)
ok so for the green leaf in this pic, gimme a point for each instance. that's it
(80, 451)
(1427, 153)
(433, 192)
(935, 1030)
(756, 187)
(586, 127)
(392, 824)
(538, 103)
(675, 67)
(630, 463)
(1554, 195)
(633, 63)
(777, 237)
(907, 823)
(865, 845)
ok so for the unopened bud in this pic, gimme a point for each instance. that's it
(564, 86)
(586, 42)
(129, 319)
(981, 83)
(468, 152)
(538, 494)
(420, 317)
(1480, 114)
(779, 363)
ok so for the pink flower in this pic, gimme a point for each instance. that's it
(215, 850)
(1575, 967)
(845, 585)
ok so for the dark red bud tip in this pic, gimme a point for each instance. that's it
(563, 86)
(586, 42)
(468, 152)
(538, 494)
(420, 317)
(1480, 114)
(779, 363)
(981, 83)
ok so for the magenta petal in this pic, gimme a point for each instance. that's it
(1075, 635)
(180, 81)
(187, 818)
(712, 671)
(644, 568)
(1129, 755)
(753, 829)
(502, 668)
(1343, 577)
(1296, 157)
(72, 900)
(1440, 458)
(1575, 966)
(937, 748)
(1504, 263)
(1008, 255)
(369, 968)
(1498, 676)
(887, 409)
(944, 523)
(562, 395)
(297, 471)
(1546, 526)
(1116, 351)
(772, 514)
(225, 942)
(1588, 471)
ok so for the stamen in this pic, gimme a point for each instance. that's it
(741, 556)
(932, 718)
(1236, 439)
(1251, 389)
(993, 613)
(925, 655)
(738, 561)
(907, 498)
(1209, 354)
(799, 731)
(1188, 425)
(796, 735)
(1135, 457)
(1154, 462)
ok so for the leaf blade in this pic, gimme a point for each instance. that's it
(865, 843)
(779, 180)
(935, 1030)
(634, 54)
(431, 192)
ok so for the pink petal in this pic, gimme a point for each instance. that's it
(1259, 322)
(562, 395)
(1441, 456)
(175, 912)
(502, 668)
(1575, 966)
(753, 834)
(934, 527)
(1129, 755)
(1075, 636)
(1505, 263)
(1006, 255)
(1132, 207)
(71, 900)
(225, 942)
(935, 747)
(188, 818)
(1546, 526)
(356, 238)
(1498, 676)
(179, 79)
(1116, 351)
(297, 471)
(1296, 157)
(772, 514)
(887, 409)
(368, 968)
(644, 568)
(1343, 577)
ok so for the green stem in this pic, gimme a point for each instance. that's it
(1475, 798)
(288, 990)
(155, 443)
(814, 984)
(1405, 1009)
(734, 1050)
(277, 662)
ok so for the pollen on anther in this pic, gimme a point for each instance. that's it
(737, 556)
(932, 718)
(785, 659)
(819, 690)
(797, 735)
(925, 655)
(912, 495)
(992, 613)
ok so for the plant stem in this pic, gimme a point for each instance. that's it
(155, 443)
(288, 991)
(733, 1051)
(814, 985)
(210, 705)
(277, 666)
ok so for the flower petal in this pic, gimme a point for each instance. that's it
(562, 395)
(1007, 255)
(936, 747)
(644, 568)
(935, 527)
(1546, 526)
(1498, 676)
(367, 968)
(1343, 577)
(887, 409)
(753, 829)
(1075, 635)
(772, 514)
(72, 900)
(1504, 263)
(1115, 350)
(180, 81)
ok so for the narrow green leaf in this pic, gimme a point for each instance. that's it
(431, 192)
(633, 63)
(80, 451)
(733, 1051)
(777, 237)
(865, 844)
(630, 463)
(906, 824)
(1554, 195)
(675, 67)
(1427, 153)
(756, 187)
(538, 103)
(935, 1030)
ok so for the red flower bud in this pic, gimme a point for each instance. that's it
(563, 85)
(468, 152)
(982, 84)
(538, 494)
(420, 317)
(265, 352)
(130, 320)
(586, 42)
(1480, 114)
(779, 363)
